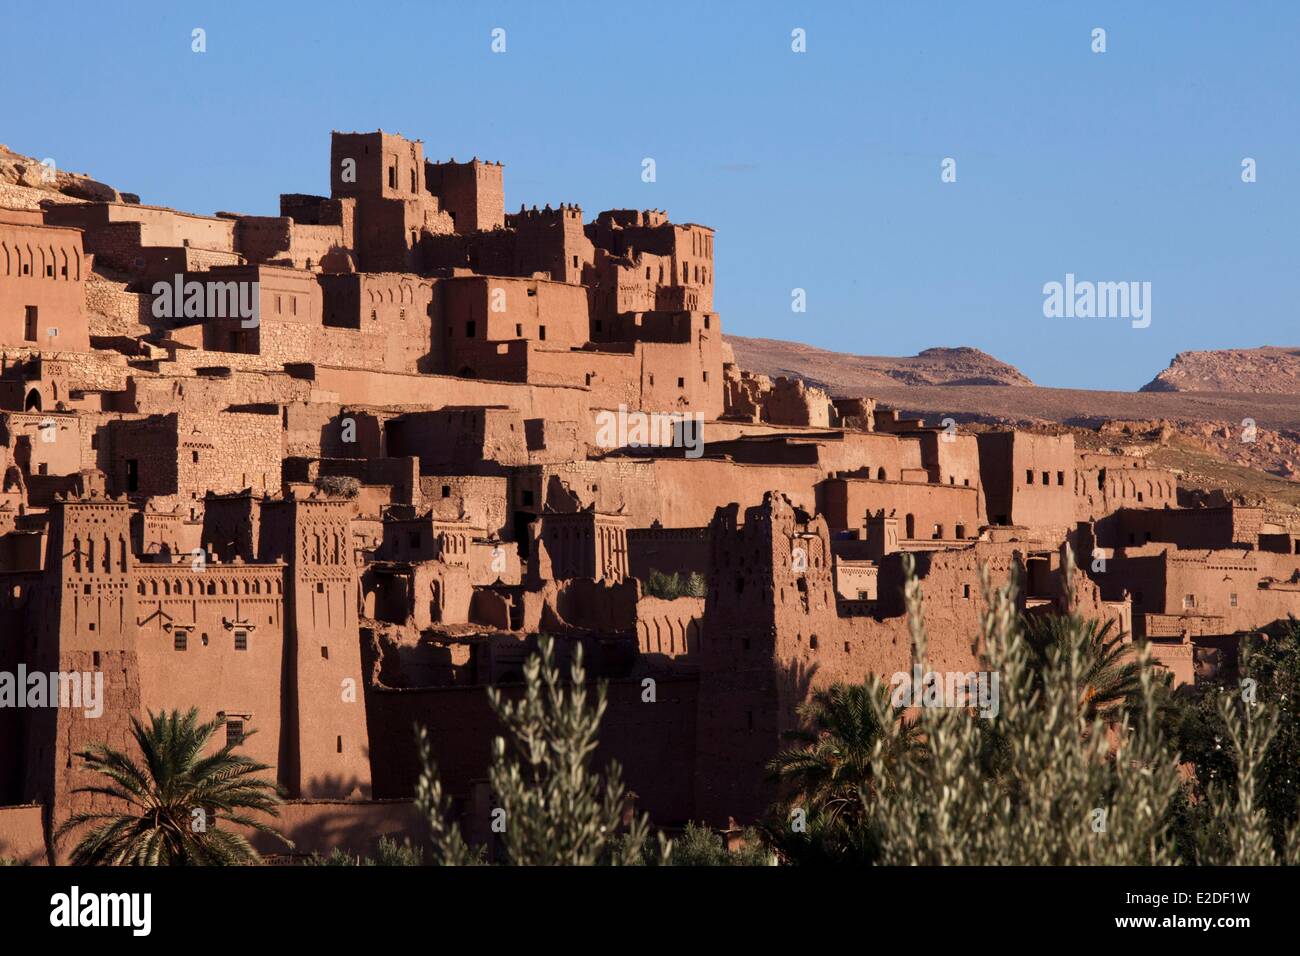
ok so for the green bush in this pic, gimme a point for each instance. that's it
(670, 587)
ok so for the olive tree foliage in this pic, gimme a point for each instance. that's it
(1047, 780)
(552, 808)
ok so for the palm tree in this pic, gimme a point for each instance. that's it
(828, 777)
(831, 766)
(832, 761)
(175, 801)
(1110, 675)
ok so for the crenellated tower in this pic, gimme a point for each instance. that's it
(324, 742)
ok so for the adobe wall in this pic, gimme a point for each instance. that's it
(437, 391)
(670, 629)
(501, 308)
(458, 438)
(354, 826)
(189, 455)
(1183, 527)
(1247, 589)
(157, 225)
(472, 193)
(1104, 484)
(1028, 479)
(22, 834)
(651, 741)
(209, 669)
(482, 499)
(42, 287)
(924, 511)
(551, 241)
(669, 550)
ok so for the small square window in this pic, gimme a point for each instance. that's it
(446, 491)
(241, 640)
(234, 733)
(181, 639)
(681, 383)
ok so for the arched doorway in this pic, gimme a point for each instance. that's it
(33, 402)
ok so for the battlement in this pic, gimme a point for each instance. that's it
(564, 212)
(623, 218)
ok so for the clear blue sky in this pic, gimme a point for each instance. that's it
(818, 170)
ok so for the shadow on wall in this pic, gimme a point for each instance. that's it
(318, 826)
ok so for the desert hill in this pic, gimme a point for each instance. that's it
(1271, 369)
(837, 370)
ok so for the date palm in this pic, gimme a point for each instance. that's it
(1111, 674)
(176, 799)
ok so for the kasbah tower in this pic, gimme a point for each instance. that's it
(329, 474)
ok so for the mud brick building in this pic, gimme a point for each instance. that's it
(360, 507)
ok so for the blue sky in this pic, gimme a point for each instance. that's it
(818, 170)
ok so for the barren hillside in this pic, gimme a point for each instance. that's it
(1273, 369)
(25, 182)
(837, 371)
